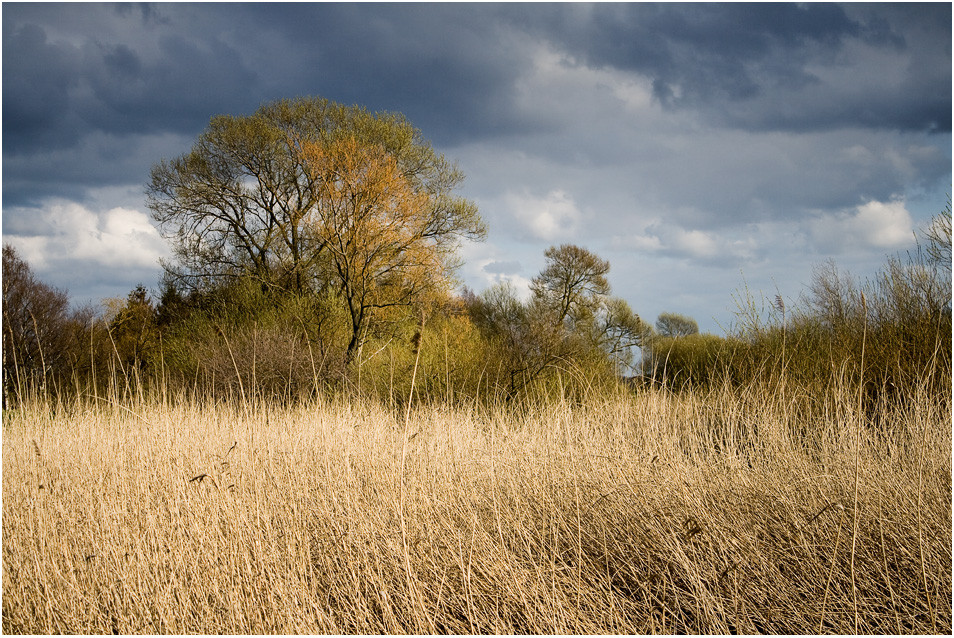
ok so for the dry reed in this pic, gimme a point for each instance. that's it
(633, 515)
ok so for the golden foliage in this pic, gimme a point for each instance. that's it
(377, 229)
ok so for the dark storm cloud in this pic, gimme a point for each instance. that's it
(452, 68)
(189, 80)
(37, 78)
(449, 68)
(148, 13)
(83, 104)
(668, 125)
(733, 61)
(96, 160)
(709, 50)
(56, 92)
(75, 71)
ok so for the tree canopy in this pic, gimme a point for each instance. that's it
(243, 199)
(574, 292)
(572, 283)
(310, 196)
(672, 324)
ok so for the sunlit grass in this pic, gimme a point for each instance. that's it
(649, 514)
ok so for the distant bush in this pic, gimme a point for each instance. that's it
(671, 324)
(696, 360)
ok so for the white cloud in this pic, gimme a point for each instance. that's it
(695, 243)
(64, 232)
(886, 225)
(521, 285)
(476, 274)
(31, 249)
(643, 243)
(554, 75)
(547, 218)
(731, 245)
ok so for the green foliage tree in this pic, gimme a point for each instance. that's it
(452, 360)
(671, 324)
(572, 292)
(134, 333)
(572, 284)
(570, 320)
(621, 330)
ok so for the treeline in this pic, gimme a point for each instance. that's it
(887, 336)
(247, 340)
(314, 250)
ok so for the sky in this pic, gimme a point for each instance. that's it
(703, 149)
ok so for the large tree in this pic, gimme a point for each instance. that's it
(384, 245)
(242, 202)
(572, 283)
(310, 196)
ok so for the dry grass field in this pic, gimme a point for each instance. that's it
(653, 513)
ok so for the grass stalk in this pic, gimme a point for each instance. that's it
(605, 515)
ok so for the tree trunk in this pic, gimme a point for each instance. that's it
(357, 325)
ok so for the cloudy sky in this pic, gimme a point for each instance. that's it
(700, 148)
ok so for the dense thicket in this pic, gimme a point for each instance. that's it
(887, 336)
(43, 341)
(242, 339)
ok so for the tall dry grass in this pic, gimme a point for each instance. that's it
(657, 513)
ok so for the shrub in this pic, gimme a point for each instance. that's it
(242, 339)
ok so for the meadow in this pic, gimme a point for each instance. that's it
(734, 510)
(309, 429)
